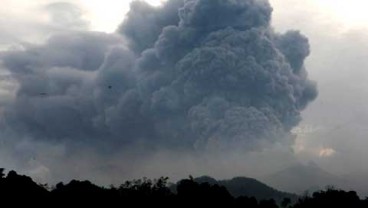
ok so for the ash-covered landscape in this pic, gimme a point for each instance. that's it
(238, 103)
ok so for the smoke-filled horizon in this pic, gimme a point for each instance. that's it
(190, 78)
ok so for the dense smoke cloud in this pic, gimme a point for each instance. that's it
(195, 74)
(144, 23)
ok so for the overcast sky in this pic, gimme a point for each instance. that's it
(334, 127)
(337, 120)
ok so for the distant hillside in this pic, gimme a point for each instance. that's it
(300, 178)
(242, 186)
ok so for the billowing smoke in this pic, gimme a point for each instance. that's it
(193, 74)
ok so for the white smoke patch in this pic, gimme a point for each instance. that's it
(66, 15)
(302, 134)
(156, 2)
(327, 152)
(35, 21)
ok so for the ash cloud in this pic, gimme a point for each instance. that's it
(66, 15)
(144, 23)
(193, 75)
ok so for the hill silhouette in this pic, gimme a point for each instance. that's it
(300, 178)
(243, 186)
(17, 190)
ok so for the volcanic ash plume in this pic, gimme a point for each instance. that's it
(193, 74)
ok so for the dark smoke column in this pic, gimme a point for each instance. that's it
(221, 77)
(195, 74)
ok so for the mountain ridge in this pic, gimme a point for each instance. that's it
(250, 187)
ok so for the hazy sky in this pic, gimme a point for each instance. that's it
(334, 127)
(337, 120)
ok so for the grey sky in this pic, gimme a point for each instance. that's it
(338, 63)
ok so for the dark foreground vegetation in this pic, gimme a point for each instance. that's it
(17, 189)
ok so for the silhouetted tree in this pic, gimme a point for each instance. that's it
(191, 193)
(286, 202)
(154, 193)
(2, 174)
(247, 202)
(268, 204)
(330, 198)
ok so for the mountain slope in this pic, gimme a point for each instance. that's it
(242, 186)
(300, 178)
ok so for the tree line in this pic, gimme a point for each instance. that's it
(22, 190)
